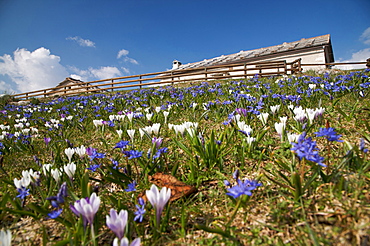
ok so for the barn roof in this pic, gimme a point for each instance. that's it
(261, 53)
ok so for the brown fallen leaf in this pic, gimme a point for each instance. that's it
(178, 189)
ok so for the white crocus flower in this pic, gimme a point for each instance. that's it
(69, 152)
(23, 182)
(70, 169)
(250, 140)
(130, 115)
(5, 238)
(155, 128)
(149, 116)
(236, 118)
(191, 131)
(312, 86)
(46, 168)
(141, 132)
(274, 108)
(179, 129)
(33, 174)
(56, 174)
(263, 117)
(81, 151)
(165, 114)
(292, 137)
(244, 127)
(280, 127)
(131, 134)
(158, 199)
(98, 123)
(119, 132)
(310, 114)
(283, 119)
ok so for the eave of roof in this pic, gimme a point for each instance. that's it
(241, 56)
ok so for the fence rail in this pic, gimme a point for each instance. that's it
(229, 71)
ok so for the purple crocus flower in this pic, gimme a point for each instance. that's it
(157, 141)
(117, 222)
(86, 207)
(47, 140)
(124, 242)
(158, 199)
(241, 111)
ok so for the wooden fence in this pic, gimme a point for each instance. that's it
(229, 71)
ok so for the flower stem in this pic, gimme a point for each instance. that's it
(93, 234)
(234, 212)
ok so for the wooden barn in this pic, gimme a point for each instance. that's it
(70, 83)
(316, 50)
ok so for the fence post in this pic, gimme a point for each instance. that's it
(140, 82)
(112, 86)
(245, 70)
(285, 68)
(205, 74)
(172, 78)
(44, 93)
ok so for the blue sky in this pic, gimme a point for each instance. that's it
(44, 41)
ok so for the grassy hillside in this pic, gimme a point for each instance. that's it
(264, 161)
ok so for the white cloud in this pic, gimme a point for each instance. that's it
(123, 54)
(105, 72)
(131, 60)
(82, 42)
(95, 73)
(125, 70)
(34, 70)
(6, 88)
(365, 36)
(358, 56)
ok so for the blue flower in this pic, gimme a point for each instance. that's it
(329, 133)
(23, 192)
(115, 164)
(55, 214)
(94, 167)
(92, 153)
(133, 154)
(122, 144)
(362, 146)
(306, 148)
(159, 152)
(59, 198)
(139, 213)
(242, 187)
(131, 187)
